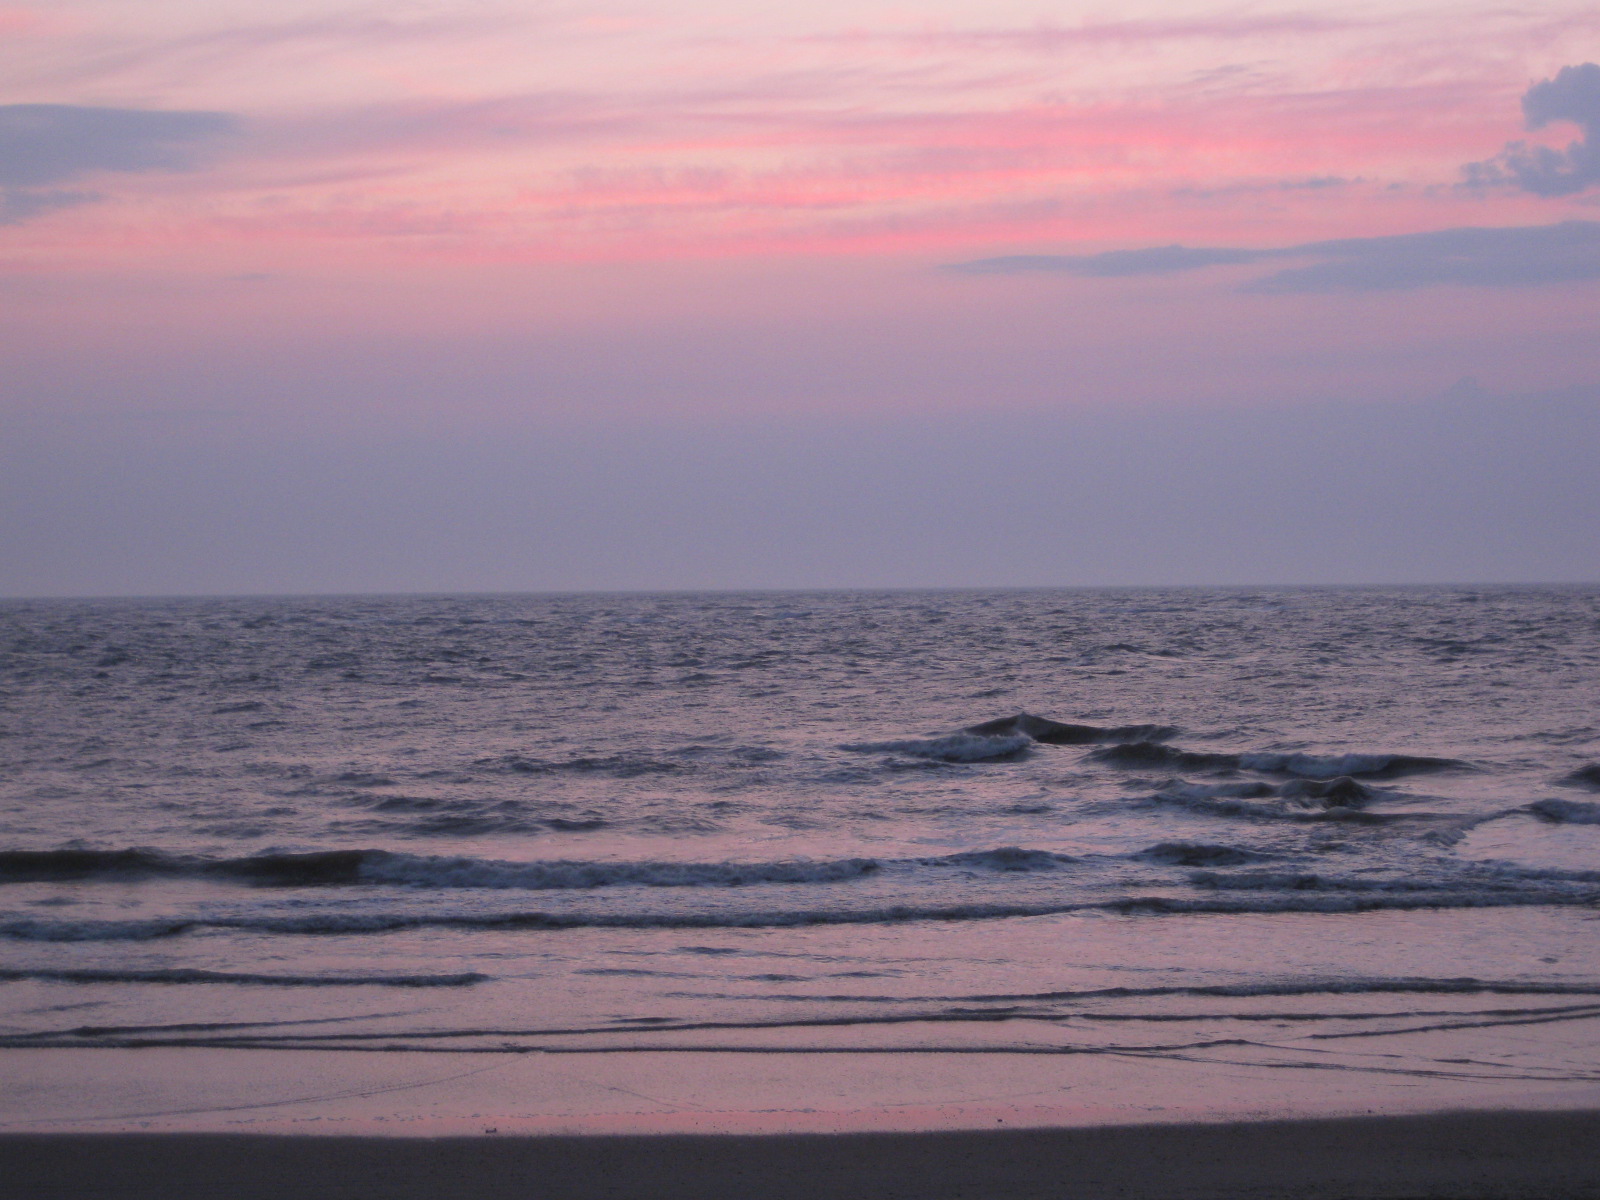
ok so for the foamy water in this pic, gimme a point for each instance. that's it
(1262, 828)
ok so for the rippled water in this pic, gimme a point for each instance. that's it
(535, 819)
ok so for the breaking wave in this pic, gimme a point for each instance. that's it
(1061, 733)
(1006, 858)
(1198, 854)
(1009, 738)
(1305, 766)
(1212, 892)
(348, 867)
(1294, 801)
(1566, 812)
(1584, 777)
(1156, 754)
(334, 868)
(953, 748)
(1144, 747)
(1331, 766)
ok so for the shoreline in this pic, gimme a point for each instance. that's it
(1471, 1155)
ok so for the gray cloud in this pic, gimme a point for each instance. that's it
(20, 204)
(1154, 260)
(46, 144)
(42, 144)
(1503, 257)
(1573, 95)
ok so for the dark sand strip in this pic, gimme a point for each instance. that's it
(1464, 1156)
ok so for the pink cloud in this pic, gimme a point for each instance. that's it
(17, 21)
(852, 183)
(856, 155)
(207, 51)
(1046, 38)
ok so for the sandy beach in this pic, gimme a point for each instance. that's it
(1553, 1156)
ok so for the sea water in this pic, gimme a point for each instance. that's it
(1312, 829)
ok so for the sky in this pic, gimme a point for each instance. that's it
(481, 295)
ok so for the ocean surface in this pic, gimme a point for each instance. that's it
(1308, 828)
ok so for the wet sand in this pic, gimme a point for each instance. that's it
(1466, 1156)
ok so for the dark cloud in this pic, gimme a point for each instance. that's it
(1476, 257)
(46, 144)
(1573, 95)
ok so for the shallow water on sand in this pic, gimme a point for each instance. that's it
(1303, 830)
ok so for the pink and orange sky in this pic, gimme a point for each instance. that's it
(492, 295)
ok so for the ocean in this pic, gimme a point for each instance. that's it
(1347, 832)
